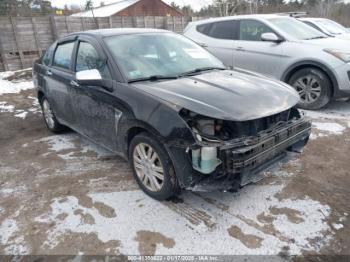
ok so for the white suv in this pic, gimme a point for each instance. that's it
(316, 65)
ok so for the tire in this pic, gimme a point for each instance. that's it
(143, 168)
(51, 121)
(313, 86)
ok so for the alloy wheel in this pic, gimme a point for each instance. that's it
(308, 88)
(148, 167)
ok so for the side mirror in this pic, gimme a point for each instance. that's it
(86, 76)
(271, 37)
(93, 78)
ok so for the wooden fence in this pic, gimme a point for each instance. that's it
(24, 39)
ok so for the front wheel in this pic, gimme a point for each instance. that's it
(152, 167)
(313, 86)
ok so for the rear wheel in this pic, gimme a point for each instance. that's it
(50, 120)
(152, 167)
(313, 86)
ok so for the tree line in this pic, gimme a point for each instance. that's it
(334, 9)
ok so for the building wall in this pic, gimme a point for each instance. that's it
(149, 8)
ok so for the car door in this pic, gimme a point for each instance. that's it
(218, 39)
(251, 53)
(58, 77)
(93, 105)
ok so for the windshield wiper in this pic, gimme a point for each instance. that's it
(152, 78)
(198, 70)
(316, 37)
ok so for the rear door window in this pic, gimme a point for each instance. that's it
(48, 55)
(63, 55)
(220, 30)
(251, 30)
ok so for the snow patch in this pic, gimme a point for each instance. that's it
(135, 212)
(7, 87)
(4, 107)
(22, 115)
(13, 245)
(66, 142)
(335, 110)
(8, 190)
(7, 229)
(337, 226)
(59, 143)
(330, 128)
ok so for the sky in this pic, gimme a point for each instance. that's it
(196, 4)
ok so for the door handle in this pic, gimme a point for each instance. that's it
(240, 48)
(74, 83)
(49, 73)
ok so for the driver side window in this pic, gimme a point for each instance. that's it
(251, 30)
(88, 58)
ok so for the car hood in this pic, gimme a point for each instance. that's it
(227, 95)
(344, 36)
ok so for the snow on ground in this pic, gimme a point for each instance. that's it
(296, 223)
(60, 144)
(7, 87)
(4, 107)
(333, 120)
(331, 128)
(14, 245)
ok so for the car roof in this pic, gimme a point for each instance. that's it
(119, 31)
(312, 19)
(256, 16)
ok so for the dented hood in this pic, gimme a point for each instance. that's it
(226, 95)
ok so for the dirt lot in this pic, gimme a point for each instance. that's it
(60, 194)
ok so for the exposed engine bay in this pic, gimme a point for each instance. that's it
(229, 149)
(212, 130)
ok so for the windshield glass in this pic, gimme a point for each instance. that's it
(158, 54)
(296, 28)
(331, 27)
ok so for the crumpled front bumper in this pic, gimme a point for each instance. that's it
(243, 160)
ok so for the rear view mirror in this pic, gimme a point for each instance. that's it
(271, 37)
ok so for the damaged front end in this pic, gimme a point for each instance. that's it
(229, 154)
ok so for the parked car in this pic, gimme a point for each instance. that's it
(169, 107)
(328, 27)
(316, 65)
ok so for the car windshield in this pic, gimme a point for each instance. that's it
(296, 29)
(159, 55)
(331, 27)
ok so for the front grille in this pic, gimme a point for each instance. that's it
(245, 158)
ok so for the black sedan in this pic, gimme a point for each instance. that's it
(168, 106)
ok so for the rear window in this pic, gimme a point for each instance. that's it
(63, 55)
(220, 30)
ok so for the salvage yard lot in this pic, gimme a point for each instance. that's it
(60, 194)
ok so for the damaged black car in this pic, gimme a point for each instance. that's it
(172, 109)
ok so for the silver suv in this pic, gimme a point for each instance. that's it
(316, 65)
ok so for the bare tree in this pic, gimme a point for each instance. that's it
(228, 7)
(89, 6)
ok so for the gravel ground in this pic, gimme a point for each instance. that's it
(60, 194)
